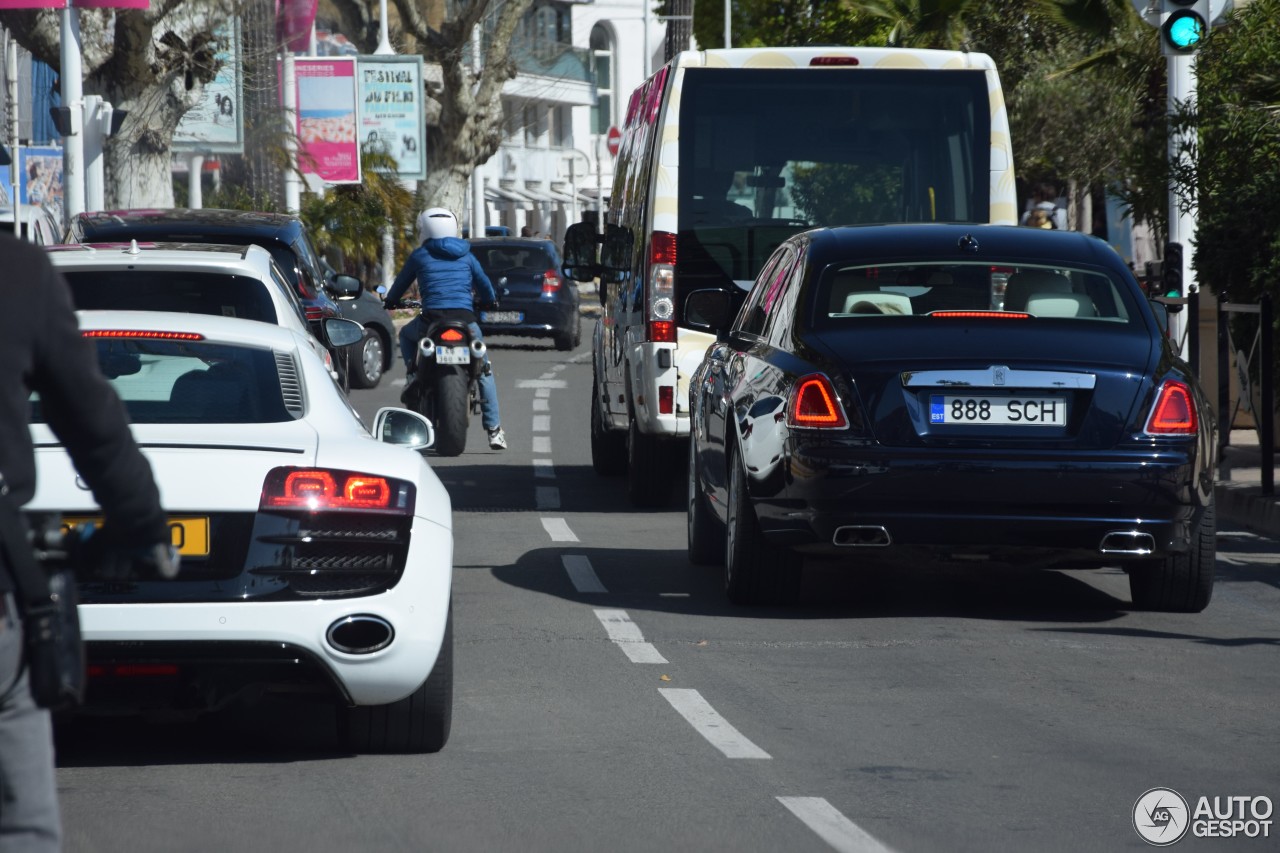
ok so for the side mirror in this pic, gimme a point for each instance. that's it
(403, 428)
(615, 256)
(710, 310)
(346, 286)
(343, 333)
(580, 252)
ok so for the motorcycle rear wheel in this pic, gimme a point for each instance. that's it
(451, 413)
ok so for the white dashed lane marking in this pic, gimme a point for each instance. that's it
(546, 497)
(542, 444)
(581, 574)
(547, 382)
(626, 635)
(831, 826)
(558, 530)
(541, 404)
(544, 469)
(542, 393)
(718, 731)
(542, 423)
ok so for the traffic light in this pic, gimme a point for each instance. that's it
(1171, 274)
(1183, 25)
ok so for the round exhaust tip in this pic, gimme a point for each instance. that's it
(478, 347)
(360, 634)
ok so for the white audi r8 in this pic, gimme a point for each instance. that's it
(316, 555)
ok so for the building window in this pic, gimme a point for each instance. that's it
(602, 58)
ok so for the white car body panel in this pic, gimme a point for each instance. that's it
(210, 468)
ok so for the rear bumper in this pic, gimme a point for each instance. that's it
(541, 319)
(1051, 508)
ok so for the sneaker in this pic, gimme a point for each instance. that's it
(497, 439)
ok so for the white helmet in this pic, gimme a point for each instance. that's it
(436, 222)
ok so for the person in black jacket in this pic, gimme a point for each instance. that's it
(42, 351)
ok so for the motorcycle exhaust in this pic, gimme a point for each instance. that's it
(478, 348)
(426, 348)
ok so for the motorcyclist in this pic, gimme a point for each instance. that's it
(449, 277)
(44, 352)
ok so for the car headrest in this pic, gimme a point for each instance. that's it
(1022, 284)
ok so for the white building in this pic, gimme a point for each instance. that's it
(578, 63)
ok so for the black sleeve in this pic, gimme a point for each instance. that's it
(90, 420)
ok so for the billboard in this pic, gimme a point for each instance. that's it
(42, 177)
(216, 123)
(391, 110)
(326, 122)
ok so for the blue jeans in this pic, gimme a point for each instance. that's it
(415, 329)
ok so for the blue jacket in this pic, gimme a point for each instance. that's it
(446, 273)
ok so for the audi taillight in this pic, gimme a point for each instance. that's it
(814, 404)
(1174, 412)
(550, 282)
(330, 489)
(314, 314)
(662, 287)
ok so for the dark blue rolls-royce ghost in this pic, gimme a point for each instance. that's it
(974, 392)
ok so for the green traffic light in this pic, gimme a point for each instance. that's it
(1184, 30)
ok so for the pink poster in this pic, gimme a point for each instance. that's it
(327, 119)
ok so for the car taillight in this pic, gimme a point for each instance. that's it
(814, 404)
(328, 489)
(662, 287)
(832, 61)
(984, 315)
(142, 334)
(550, 282)
(1174, 412)
(666, 399)
(451, 335)
(314, 314)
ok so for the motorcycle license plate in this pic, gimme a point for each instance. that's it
(189, 534)
(453, 355)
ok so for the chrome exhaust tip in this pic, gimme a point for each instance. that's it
(478, 348)
(427, 347)
(1133, 543)
(861, 536)
(360, 634)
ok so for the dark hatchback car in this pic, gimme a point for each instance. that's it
(877, 396)
(536, 301)
(323, 294)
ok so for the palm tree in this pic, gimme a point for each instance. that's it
(921, 23)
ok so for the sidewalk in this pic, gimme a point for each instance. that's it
(1239, 488)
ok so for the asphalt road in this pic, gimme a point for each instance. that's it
(609, 699)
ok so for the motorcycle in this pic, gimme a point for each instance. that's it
(445, 387)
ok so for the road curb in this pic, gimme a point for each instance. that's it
(1245, 505)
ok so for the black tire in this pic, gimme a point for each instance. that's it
(420, 722)
(755, 570)
(365, 370)
(452, 417)
(649, 476)
(706, 532)
(569, 338)
(1182, 583)
(608, 447)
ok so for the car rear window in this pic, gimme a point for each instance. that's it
(511, 258)
(178, 382)
(221, 294)
(853, 293)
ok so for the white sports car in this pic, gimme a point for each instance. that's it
(316, 557)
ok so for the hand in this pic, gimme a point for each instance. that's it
(102, 559)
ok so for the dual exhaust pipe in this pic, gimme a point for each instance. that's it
(427, 348)
(1130, 543)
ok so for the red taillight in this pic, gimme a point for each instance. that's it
(662, 331)
(142, 333)
(1174, 412)
(326, 489)
(984, 315)
(314, 314)
(814, 404)
(550, 282)
(666, 399)
(832, 61)
(662, 248)
(451, 335)
(662, 287)
(133, 670)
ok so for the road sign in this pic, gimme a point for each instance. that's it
(613, 140)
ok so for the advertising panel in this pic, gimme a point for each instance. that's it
(391, 110)
(216, 124)
(327, 144)
(42, 177)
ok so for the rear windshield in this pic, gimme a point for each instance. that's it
(178, 382)
(765, 153)
(498, 259)
(221, 294)
(856, 293)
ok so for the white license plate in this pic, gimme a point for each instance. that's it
(453, 355)
(998, 411)
(502, 317)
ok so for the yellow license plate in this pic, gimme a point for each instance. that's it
(189, 533)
